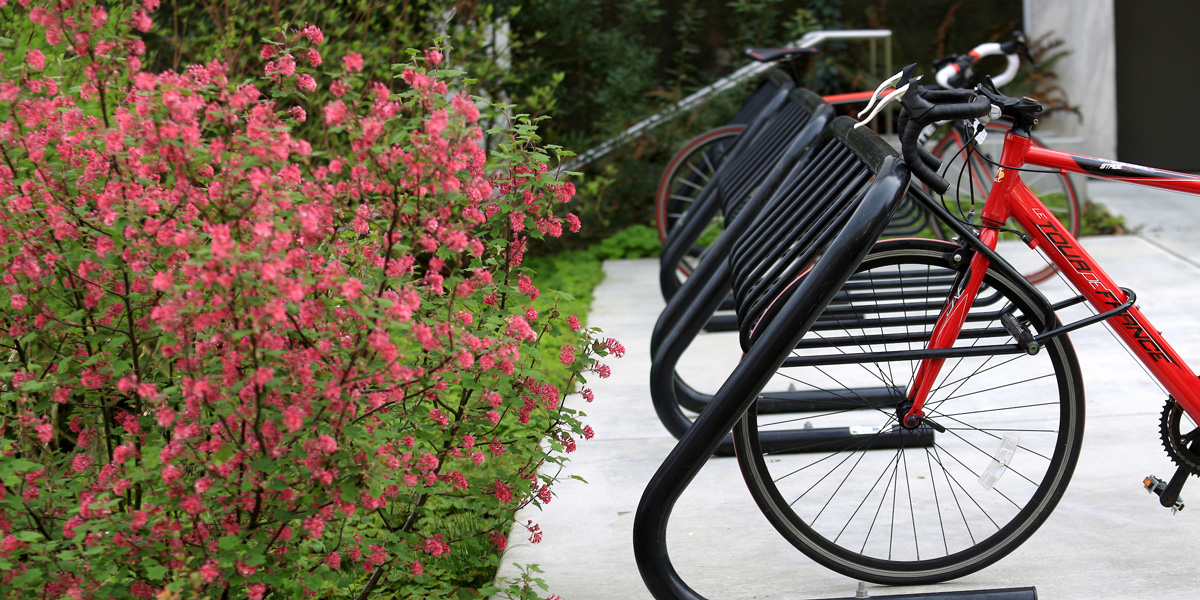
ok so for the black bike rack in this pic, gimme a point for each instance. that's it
(755, 161)
(759, 245)
(785, 306)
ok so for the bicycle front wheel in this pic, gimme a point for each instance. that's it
(852, 490)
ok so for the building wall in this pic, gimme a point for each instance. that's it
(1088, 74)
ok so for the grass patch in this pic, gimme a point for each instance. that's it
(1096, 219)
(570, 278)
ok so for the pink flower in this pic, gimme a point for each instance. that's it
(353, 62)
(18, 301)
(335, 113)
(192, 504)
(255, 591)
(315, 526)
(535, 532)
(614, 347)
(35, 59)
(499, 540)
(573, 323)
(122, 453)
(516, 220)
(465, 108)
(306, 83)
(433, 56)
(141, 589)
(45, 432)
(81, 463)
(314, 57)
(434, 546)
(333, 561)
(519, 329)
(282, 68)
(209, 572)
(567, 356)
(170, 474)
(327, 444)
(437, 416)
(166, 416)
(293, 417)
(140, 21)
(563, 192)
(313, 33)
(502, 492)
(69, 527)
(162, 281)
(267, 52)
(525, 285)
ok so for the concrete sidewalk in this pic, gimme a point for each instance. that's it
(1108, 538)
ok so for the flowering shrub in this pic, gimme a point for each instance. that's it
(241, 364)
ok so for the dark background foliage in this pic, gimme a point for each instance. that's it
(623, 60)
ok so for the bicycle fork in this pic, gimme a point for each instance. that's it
(945, 332)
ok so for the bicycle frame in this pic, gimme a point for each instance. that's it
(1011, 198)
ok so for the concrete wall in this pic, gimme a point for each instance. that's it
(1088, 74)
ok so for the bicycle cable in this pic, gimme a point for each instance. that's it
(968, 219)
(1021, 169)
(964, 219)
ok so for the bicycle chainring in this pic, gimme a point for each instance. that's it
(1177, 444)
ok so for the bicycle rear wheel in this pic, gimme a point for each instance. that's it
(1053, 188)
(877, 503)
(688, 173)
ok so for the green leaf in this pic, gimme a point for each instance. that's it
(34, 386)
(156, 572)
(228, 542)
(349, 492)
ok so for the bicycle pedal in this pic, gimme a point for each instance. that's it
(1157, 486)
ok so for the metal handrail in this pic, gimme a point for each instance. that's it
(811, 39)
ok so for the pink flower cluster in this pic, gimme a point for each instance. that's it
(227, 342)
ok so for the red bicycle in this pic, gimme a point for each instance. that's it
(980, 368)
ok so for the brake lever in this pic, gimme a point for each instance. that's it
(895, 96)
(904, 75)
(1023, 49)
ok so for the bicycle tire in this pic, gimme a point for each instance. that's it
(827, 503)
(686, 175)
(1054, 188)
